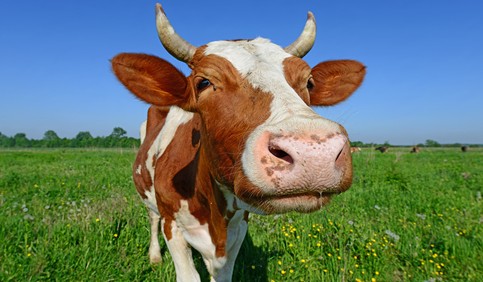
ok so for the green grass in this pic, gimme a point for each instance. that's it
(74, 215)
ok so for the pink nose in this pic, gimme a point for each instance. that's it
(307, 163)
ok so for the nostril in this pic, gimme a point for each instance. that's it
(281, 154)
(342, 157)
(340, 153)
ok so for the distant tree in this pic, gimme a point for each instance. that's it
(6, 141)
(51, 139)
(118, 132)
(357, 144)
(83, 139)
(432, 143)
(83, 135)
(50, 135)
(21, 140)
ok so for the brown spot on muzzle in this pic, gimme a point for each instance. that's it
(317, 139)
(269, 171)
(264, 160)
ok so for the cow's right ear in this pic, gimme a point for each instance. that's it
(151, 79)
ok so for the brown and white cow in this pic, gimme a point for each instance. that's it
(235, 136)
(355, 149)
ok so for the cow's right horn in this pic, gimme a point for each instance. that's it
(174, 44)
(304, 43)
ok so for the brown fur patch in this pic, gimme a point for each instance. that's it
(155, 122)
(297, 73)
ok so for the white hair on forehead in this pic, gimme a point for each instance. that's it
(260, 62)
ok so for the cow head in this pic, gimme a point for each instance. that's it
(260, 139)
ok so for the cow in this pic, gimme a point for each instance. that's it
(464, 148)
(382, 149)
(355, 149)
(236, 136)
(415, 149)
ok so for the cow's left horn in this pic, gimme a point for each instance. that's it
(304, 43)
(174, 44)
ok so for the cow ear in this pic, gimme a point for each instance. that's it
(335, 81)
(151, 79)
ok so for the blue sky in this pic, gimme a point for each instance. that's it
(424, 61)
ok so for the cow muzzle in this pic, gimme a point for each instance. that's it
(299, 172)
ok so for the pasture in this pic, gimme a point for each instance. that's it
(74, 215)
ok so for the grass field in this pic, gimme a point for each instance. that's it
(74, 215)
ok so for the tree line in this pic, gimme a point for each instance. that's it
(84, 139)
(429, 143)
(118, 139)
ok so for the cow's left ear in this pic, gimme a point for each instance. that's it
(335, 81)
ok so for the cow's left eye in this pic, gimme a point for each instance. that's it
(310, 84)
(202, 84)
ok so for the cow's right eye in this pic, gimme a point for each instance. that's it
(202, 84)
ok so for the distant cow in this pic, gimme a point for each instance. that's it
(355, 149)
(382, 149)
(415, 149)
(235, 136)
(464, 148)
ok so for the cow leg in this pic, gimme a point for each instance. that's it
(236, 231)
(181, 254)
(154, 249)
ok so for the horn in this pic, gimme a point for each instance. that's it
(304, 43)
(174, 44)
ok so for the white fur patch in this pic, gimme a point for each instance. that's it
(150, 200)
(198, 236)
(181, 253)
(142, 131)
(237, 228)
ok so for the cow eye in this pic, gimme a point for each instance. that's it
(310, 84)
(202, 84)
